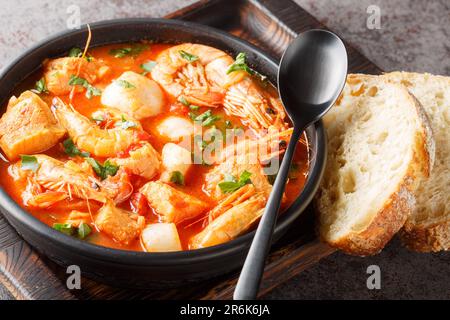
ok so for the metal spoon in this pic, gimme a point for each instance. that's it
(311, 76)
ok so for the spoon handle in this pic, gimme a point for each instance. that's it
(251, 274)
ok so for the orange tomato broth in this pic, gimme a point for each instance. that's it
(194, 178)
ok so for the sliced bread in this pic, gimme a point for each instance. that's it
(428, 227)
(379, 147)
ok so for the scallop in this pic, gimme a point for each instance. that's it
(175, 128)
(161, 237)
(174, 158)
(135, 95)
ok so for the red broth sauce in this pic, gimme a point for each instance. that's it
(194, 179)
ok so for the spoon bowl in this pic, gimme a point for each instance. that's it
(311, 76)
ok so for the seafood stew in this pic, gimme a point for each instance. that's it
(147, 147)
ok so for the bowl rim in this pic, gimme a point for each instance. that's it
(128, 257)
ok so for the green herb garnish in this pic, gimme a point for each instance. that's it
(128, 51)
(192, 115)
(210, 120)
(29, 162)
(206, 118)
(148, 66)
(187, 56)
(194, 108)
(203, 116)
(41, 87)
(200, 142)
(65, 228)
(125, 84)
(105, 170)
(228, 124)
(241, 65)
(90, 89)
(83, 230)
(72, 150)
(98, 118)
(183, 101)
(231, 184)
(126, 124)
(177, 178)
(75, 52)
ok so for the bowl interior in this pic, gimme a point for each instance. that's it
(156, 30)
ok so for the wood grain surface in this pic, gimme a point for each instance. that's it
(271, 25)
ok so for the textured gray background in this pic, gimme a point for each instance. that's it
(414, 36)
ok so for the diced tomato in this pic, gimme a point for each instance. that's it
(143, 136)
(126, 153)
(179, 109)
(138, 204)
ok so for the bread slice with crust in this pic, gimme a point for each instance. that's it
(428, 227)
(379, 147)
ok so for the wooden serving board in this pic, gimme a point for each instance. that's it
(271, 25)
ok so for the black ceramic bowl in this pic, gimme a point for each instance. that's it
(140, 269)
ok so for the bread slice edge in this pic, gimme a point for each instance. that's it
(393, 214)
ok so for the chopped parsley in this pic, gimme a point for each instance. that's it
(105, 170)
(210, 120)
(125, 84)
(65, 228)
(126, 124)
(207, 119)
(187, 56)
(75, 52)
(202, 117)
(183, 101)
(29, 162)
(40, 86)
(294, 173)
(132, 51)
(72, 150)
(177, 178)
(194, 108)
(90, 89)
(231, 183)
(98, 118)
(192, 115)
(148, 66)
(241, 65)
(201, 144)
(83, 230)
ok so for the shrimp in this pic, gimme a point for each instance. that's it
(108, 118)
(57, 73)
(234, 167)
(230, 224)
(118, 187)
(61, 182)
(227, 203)
(257, 108)
(232, 200)
(197, 81)
(203, 78)
(89, 137)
